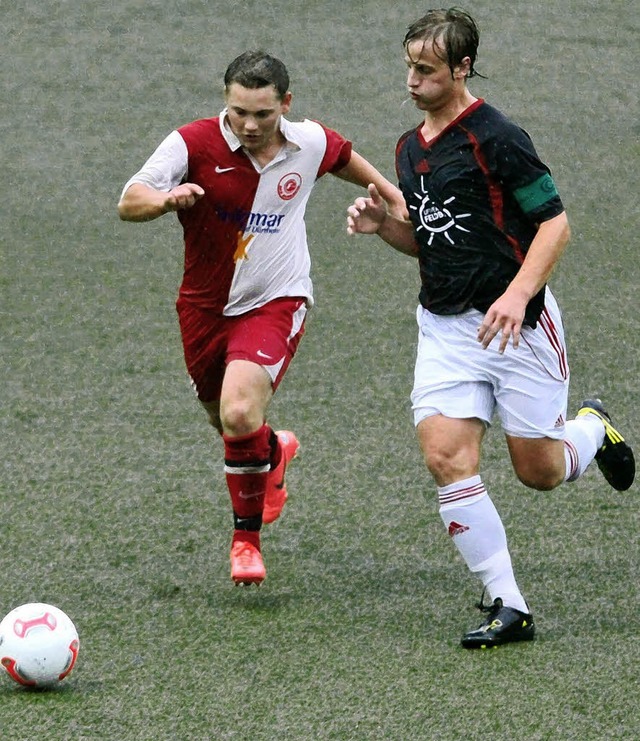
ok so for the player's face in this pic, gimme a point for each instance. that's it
(429, 80)
(254, 115)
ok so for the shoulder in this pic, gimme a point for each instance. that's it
(486, 112)
(201, 136)
(310, 133)
(319, 144)
(405, 139)
(200, 127)
(491, 124)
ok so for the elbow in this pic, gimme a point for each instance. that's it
(124, 208)
(565, 228)
(122, 212)
(558, 230)
(565, 234)
(127, 213)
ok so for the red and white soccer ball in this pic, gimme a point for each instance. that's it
(38, 645)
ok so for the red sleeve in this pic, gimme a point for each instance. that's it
(337, 154)
(399, 146)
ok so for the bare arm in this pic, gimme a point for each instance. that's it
(143, 203)
(370, 216)
(506, 314)
(361, 172)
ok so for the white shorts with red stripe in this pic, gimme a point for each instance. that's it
(527, 388)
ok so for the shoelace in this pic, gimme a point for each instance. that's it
(244, 554)
(491, 608)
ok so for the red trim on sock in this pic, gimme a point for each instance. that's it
(247, 489)
(247, 536)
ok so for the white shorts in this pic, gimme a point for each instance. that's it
(527, 387)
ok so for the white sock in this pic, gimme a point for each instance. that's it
(583, 438)
(499, 581)
(477, 531)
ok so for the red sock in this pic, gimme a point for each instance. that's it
(276, 450)
(246, 536)
(246, 465)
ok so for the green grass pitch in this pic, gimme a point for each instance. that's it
(112, 498)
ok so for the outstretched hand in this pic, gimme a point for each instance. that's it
(183, 196)
(366, 215)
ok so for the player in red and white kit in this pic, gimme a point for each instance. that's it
(240, 183)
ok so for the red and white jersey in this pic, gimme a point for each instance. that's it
(245, 239)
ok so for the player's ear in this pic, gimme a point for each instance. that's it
(462, 69)
(286, 101)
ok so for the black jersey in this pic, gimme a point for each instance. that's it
(475, 195)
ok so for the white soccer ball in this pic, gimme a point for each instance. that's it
(38, 644)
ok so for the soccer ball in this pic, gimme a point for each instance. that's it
(38, 644)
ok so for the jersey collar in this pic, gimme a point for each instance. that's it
(288, 131)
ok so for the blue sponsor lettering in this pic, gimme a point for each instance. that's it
(252, 221)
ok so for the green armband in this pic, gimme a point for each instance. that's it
(536, 194)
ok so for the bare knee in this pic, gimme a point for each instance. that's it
(539, 464)
(245, 395)
(539, 479)
(239, 417)
(451, 447)
(448, 465)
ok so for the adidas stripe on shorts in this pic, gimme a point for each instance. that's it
(527, 388)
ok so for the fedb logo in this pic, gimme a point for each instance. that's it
(289, 185)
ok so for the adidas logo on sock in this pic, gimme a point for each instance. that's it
(455, 528)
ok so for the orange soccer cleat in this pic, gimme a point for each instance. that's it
(276, 493)
(246, 561)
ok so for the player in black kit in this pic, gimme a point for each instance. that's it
(488, 226)
(474, 206)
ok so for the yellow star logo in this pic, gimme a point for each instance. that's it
(241, 250)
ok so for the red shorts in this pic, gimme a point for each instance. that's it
(268, 336)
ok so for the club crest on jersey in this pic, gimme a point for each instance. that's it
(436, 219)
(289, 185)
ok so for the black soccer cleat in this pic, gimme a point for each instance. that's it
(615, 458)
(503, 625)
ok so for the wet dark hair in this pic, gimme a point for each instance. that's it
(256, 69)
(457, 31)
